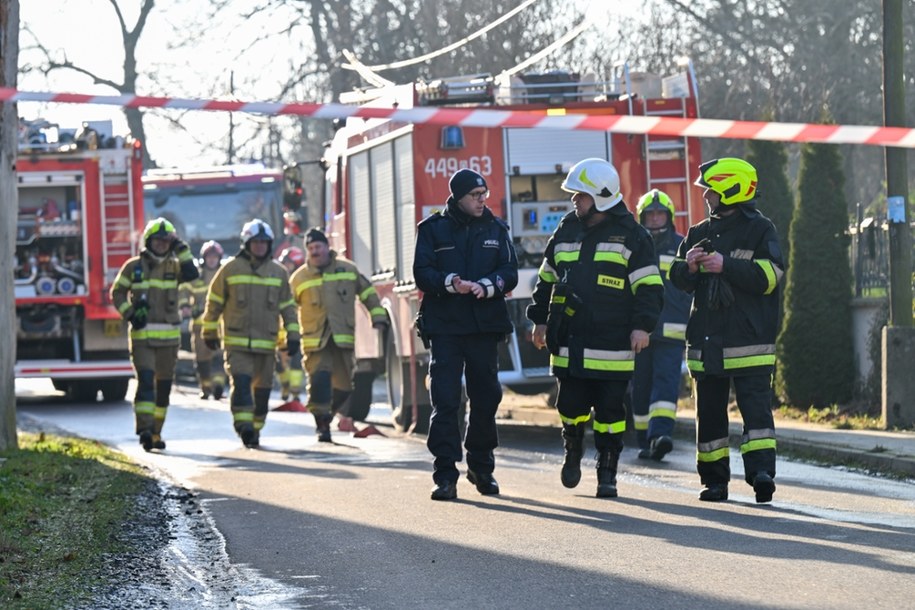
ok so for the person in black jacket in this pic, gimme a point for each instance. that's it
(658, 368)
(598, 297)
(464, 264)
(732, 264)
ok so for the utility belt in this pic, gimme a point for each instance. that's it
(564, 305)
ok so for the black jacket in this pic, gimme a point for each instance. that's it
(671, 326)
(478, 250)
(612, 269)
(737, 338)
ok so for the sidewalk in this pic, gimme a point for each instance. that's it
(883, 451)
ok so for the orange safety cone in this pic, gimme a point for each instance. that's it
(345, 424)
(292, 405)
(369, 430)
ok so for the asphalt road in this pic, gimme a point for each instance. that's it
(351, 525)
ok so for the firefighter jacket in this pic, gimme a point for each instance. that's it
(193, 294)
(671, 326)
(250, 296)
(327, 302)
(735, 335)
(610, 270)
(477, 249)
(152, 281)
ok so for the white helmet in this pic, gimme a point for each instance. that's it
(256, 229)
(597, 178)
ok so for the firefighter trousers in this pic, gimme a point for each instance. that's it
(577, 397)
(155, 369)
(208, 361)
(757, 446)
(330, 370)
(475, 358)
(252, 379)
(655, 389)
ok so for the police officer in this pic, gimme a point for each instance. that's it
(145, 292)
(326, 289)
(250, 293)
(732, 264)
(597, 298)
(465, 264)
(210, 373)
(658, 367)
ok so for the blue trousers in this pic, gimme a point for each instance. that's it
(474, 357)
(655, 389)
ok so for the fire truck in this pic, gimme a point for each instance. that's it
(384, 177)
(80, 217)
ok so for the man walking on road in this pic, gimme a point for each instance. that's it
(597, 299)
(326, 289)
(658, 367)
(465, 264)
(145, 293)
(732, 264)
(250, 293)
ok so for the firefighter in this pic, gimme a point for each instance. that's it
(732, 264)
(658, 367)
(326, 289)
(250, 294)
(145, 293)
(597, 299)
(288, 369)
(465, 264)
(210, 373)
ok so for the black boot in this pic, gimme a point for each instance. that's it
(607, 461)
(572, 437)
(322, 425)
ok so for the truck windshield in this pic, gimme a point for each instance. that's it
(217, 212)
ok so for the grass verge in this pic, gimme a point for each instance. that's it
(63, 503)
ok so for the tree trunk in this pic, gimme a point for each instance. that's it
(9, 204)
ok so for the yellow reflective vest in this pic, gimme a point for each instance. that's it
(249, 297)
(327, 302)
(155, 281)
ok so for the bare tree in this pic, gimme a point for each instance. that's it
(9, 128)
(55, 60)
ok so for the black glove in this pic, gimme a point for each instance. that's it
(179, 246)
(292, 346)
(138, 318)
(213, 344)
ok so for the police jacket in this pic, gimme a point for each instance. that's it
(671, 326)
(250, 296)
(734, 335)
(153, 280)
(476, 249)
(327, 302)
(193, 294)
(612, 270)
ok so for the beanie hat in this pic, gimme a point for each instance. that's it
(315, 234)
(463, 181)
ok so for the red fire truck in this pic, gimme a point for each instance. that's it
(80, 217)
(383, 177)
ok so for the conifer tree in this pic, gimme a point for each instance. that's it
(816, 360)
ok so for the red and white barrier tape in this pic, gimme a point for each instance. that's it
(651, 125)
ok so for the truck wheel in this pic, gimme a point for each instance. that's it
(399, 392)
(61, 385)
(83, 390)
(114, 390)
(361, 400)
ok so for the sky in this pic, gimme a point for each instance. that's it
(88, 32)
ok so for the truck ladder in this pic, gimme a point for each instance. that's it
(667, 157)
(117, 221)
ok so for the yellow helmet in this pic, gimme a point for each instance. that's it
(733, 179)
(161, 228)
(655, 200)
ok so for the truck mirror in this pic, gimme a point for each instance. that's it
(293, 191)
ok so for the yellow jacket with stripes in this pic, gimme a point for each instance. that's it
(245, 302)
(193, 294)
(155, 280)
(327, 302)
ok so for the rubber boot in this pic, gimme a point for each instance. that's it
(607, 461)
(163, 396)
(204, 371)
(322, 426)
(572, 437)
